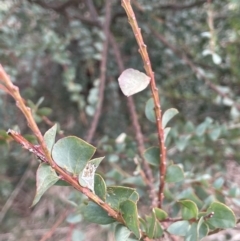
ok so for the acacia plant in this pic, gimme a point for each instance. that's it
(68, 161)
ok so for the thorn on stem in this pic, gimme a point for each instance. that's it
(15, 88)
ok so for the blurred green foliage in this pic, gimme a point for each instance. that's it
(53, 54)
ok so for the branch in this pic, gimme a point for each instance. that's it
(92, 10)
(42, 152)
(13, 195)
(65, 176)
(139, 136)
(147, 66)
(102, 75)
(194, 68)
(131, 105)
(148, 177)
(4, 78)
(50, 233)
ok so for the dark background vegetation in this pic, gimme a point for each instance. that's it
(53, 51)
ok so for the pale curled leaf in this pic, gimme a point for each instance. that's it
(132, 81)
(46, 177)
(86, 177)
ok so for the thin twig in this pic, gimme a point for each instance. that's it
(92, 10)
(148, 177)
(210, 22)
(139, 136)
(93, 21)
(14, 90)
(13, 195)
(54, 227)
(194, 68)
(38, 151)
(102, 74)
(179, 53)
(147, 65)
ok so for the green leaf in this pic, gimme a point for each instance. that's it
(223, 216)
(168, 115)
(160, 214)
(149, 110)
(166, 132)
(121, 233)
(95, 214)
(201, 129)
(118, 194)
(152, 155)
(4, 134)
(45, 178)
(189, 209)
(72, 154)
(190, 194)
(62, 183)
(151, 221)
(49, 137)
(202, 228)
(44, 111)
(154, 229)
(86, 176)
(174, 174)
(132, 81)
(218, 183)
(158, 230)
(129, 213)
(192, 234)
(196, 231)
(215, 133)
(179, 228)
(182, 142)
(100, 187)
(143, 224)
(189, 127)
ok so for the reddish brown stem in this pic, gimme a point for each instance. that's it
(147, 66)
(14, 91)
(42, 152)
(50, 233)
(66, 176)
(148, 177)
